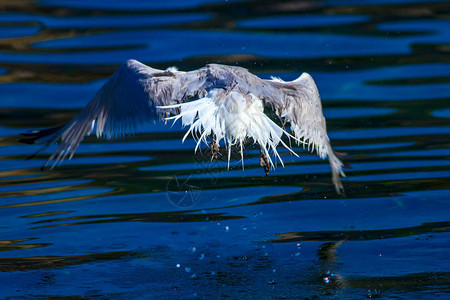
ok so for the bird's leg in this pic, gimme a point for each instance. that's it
(263, 162)
(215, 150)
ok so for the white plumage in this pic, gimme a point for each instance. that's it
(233, 119)
(217, 102)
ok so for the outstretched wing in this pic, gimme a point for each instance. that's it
(298, 102)
(130, 97)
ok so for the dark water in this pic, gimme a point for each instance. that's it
(146, 218)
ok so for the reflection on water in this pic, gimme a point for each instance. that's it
(145, 217)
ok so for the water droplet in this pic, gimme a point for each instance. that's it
(374, 294)
(178, 265)
(227, 228)
(187, 269)
(202, 256)
(193, 249)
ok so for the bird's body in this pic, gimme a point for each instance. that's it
(217, 102)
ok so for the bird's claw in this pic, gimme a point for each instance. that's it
(263, 162)
(215, 150)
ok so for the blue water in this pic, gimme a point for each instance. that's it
(296, 21)
(147, 218)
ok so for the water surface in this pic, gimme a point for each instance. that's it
(146, 218)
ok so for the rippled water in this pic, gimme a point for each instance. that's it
(146, 218)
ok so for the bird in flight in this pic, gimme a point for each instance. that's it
(218, 103)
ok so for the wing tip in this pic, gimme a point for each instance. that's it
(31, 137)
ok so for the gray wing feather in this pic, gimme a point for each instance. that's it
(129, 98)
(297, 102)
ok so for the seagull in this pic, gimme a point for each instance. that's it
(217, 103)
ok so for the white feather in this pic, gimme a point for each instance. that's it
(230, 119)
(276, 79)
(172, 69)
